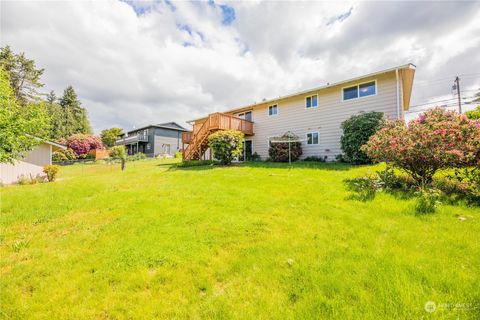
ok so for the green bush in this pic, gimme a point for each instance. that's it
(364, 188)
(254, 157)
(226, 145)
(178, 155)
(356, 131)
(64, 155)
(428, 200)
(278, 151)
(118, 152)
(473, 114)
(51, 170)
(314, 159)
(137, 156)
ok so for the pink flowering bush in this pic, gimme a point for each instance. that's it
(438, 139)
(81, 144)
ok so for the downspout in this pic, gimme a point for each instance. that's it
(398, 94)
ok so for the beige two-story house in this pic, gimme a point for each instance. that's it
(314, 115)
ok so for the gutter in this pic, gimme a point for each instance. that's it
(398, 93)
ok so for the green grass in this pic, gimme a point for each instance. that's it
(258, 241)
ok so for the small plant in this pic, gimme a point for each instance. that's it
(196, 163)
(428, 200)
(254, 157)
(226, 145)
(178, 155)
(119, 152)
(137, 156)
(314, 159)
(51, 171)
(365, 188)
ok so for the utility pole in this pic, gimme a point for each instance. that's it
(457, 86)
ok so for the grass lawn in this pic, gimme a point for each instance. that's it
(258, 241)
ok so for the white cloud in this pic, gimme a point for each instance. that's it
(174, 61)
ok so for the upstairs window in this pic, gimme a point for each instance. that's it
(273, 110)
(311, 102)
(361, 90)
(312, 138)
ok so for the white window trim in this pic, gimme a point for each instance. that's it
(358, 90)
(312, 144)
(268, 110)
(313, 95)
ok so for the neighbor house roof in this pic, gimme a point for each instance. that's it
(407, 86)
(54, 144)
(167, 125)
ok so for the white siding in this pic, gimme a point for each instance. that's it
(30, 166)
(326, 118)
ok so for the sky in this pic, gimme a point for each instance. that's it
(137, 63)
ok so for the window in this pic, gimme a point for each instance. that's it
(247, 115)
(361, 90)
(312, 138)
(367, 89)
(273, 110)
(311, 101)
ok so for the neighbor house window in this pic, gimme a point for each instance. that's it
(311, 102)
(273, 110)
(312, 138)
(361, 90)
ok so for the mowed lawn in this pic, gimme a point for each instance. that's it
(254, 241)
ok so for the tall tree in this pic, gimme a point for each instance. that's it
(109, 136)
(23, 74)
(20, 126)
(55, 111)
(75, 116)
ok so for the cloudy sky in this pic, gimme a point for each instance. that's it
(134, 63)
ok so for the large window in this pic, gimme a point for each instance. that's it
(312, 138)
(273, 110)
(361, 90)
(311, 102)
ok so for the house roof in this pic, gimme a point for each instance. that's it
(407, 88)
(54, 144)
(167, 125)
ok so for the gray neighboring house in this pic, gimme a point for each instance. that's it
(154, 140)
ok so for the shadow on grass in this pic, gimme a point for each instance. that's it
(335, 166)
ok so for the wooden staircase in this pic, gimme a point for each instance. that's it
(195, 143)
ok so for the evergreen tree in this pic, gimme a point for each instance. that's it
(75, 119)
(23, 73)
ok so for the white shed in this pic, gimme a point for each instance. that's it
(31, 165)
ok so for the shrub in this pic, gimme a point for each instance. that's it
(226, 145)
(314, 159)
(51, 170)
(356, 131)
(178, 155)
(473, 114)
(118, 152)
(365, 188)
(278, 151)
(64, 155)
(427, 200)
(137, 156)
(438, 139)
(81, 144)
(254, 157)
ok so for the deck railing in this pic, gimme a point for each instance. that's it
(215, 121)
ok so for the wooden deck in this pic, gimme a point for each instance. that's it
(195, 143)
